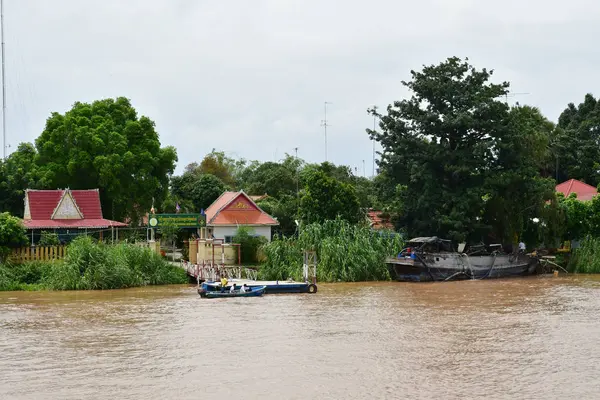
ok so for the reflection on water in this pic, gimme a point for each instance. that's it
(520, 338)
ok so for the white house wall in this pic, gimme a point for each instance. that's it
(219, 232)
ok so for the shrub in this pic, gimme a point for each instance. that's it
(249, 244)
(345, 252)
(586, 258)
(49, 239)
(12, 234)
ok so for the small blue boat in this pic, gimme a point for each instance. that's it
(271, 287)
(254, 292)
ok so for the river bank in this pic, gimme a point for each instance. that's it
(90, 265)
(524, 338)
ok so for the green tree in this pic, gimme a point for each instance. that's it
(325, 198)
(205, 191)
(439, 144)
(216, 163)
(12, 234)
(516, 194)
(18, 173)
(578, 155)
(285, 210)
(105, 145)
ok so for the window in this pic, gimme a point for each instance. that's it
(228, 239)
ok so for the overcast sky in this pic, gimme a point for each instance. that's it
(251, 77)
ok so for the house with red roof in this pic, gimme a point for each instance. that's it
(233, 210)
(583, 191)
(65, 209)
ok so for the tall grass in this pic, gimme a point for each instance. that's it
(345, 252)
(90, 265)
(586, 258)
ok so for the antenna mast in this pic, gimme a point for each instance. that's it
(374, 129)
(3, 82)
(325, 125)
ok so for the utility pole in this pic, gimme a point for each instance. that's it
(3, 82)
(364, 171)
(374, 129)
(325, 125)
(297, 172)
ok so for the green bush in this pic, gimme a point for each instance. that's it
(586, 258)
(90, 265)
(49, 239)
(249, 244)
(12, 234)
(345, 252)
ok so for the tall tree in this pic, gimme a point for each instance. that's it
(105, 145)
(325, 198)
(516, 192)
(579, 155)
(439, 144)
(18, 173)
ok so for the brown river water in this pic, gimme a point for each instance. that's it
(530, 338)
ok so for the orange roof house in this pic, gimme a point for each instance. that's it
(583, 191)
(234, 209)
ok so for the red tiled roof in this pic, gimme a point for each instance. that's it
(583, 191)
(70, 223)
(233, 208)
(43, 203)
(377, 222)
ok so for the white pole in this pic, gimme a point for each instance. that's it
(3, 82)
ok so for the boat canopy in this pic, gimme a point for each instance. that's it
(432, 239)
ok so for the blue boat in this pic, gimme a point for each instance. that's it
(253, 292)
(271, 287)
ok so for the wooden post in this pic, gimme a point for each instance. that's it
(193, 251)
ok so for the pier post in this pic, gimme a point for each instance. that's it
(193, 251)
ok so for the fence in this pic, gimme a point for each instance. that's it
(39, 253)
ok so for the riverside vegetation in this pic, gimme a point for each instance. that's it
(346, 252)
(90, 265)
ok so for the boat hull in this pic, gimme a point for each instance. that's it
(271, 287)
(255, 292)
(456, 266)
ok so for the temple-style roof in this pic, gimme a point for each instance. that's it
(237, 208)
(56, 209)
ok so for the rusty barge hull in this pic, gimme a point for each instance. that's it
(455, 266)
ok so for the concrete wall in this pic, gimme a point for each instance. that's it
(205, 253)
(220, 232)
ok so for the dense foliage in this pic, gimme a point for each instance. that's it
(463, 164)
(586, 258)
(12, 234)
(346, 252)
(90, 265)
(250, 243)
(99, 145)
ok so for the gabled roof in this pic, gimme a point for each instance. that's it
(237, 208)
(583, 191)
(49, 209)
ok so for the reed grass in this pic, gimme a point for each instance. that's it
(345, 252)
(586, 258)
(90, 265)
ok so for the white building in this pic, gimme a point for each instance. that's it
(233, 210)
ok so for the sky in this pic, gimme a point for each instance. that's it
(250, 78)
